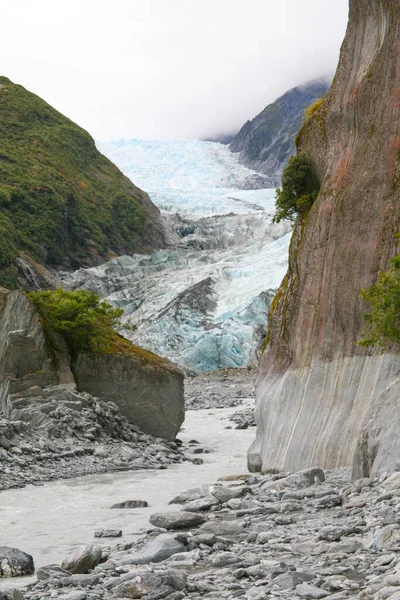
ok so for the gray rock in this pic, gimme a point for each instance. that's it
(177, 520)
(200, 504)
(223, 494)
(189, 495)
(175, 578)
(291, 579)
(83, 559)
(312, 474)
(311, 592)
(147, 389)
(14, 562)
(49, 571)
(391, 483)
(157, 550)
(108, 533)
(73, 596)
(5, 442)
(222, 528)
(224, 559)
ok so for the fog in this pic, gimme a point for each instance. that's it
(168, 68)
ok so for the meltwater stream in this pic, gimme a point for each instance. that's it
(47, 522)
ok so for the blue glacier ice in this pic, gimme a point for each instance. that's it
(204, 303)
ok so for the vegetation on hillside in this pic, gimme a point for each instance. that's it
(86, 323)
(383, 321)
(308, 113)
(300, 188)
(61, 201)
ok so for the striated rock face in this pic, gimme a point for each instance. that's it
(320, 399)
(147, 389)
(24, 359)
(267, 142)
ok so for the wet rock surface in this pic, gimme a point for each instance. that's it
(271, 536)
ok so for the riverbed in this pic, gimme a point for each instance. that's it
(48, 521)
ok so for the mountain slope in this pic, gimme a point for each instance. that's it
(62, 203)
(266, 142)
(322, 399)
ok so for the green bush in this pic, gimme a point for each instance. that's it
(84, 321)
(300, 188)
(383, 321)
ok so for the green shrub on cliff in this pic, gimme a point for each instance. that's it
(86, 323)
(300, 188)
(383, 321)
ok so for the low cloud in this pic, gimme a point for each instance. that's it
(168, 68)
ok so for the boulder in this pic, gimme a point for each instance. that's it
(83, 559)
(147, 389)
(159, 549)
(14, 562)
(177, 520)
(223, 528)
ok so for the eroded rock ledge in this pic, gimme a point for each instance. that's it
(146, 389)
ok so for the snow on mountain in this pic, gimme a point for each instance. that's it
(203, 304)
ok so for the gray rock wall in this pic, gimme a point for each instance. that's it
(321, 400)
(24, 359)
(147, 389)
(337, 413)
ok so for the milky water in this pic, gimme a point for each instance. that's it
(48, 521)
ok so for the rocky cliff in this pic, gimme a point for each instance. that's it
(266, 142)
(322, 400)
(36, 375)
(62, 203)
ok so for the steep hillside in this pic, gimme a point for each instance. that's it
(62, 203)
(321, 398)
(267, 142)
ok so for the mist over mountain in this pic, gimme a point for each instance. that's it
(266, 143)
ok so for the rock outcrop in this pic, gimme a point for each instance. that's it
(147, 389)
(322, 399)
(266, 142)
(36, 377)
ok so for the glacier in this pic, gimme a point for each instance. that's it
(203, 303)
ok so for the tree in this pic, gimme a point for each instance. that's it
(383, 321)
(300, 188)
(84, 321)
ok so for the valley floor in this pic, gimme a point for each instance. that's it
(306, 535)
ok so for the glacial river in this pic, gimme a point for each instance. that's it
(48, 521)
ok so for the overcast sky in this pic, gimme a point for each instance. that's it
(167, 68)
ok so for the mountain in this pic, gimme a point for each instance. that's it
(62, 203)
(322, 399)
(266, 143)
